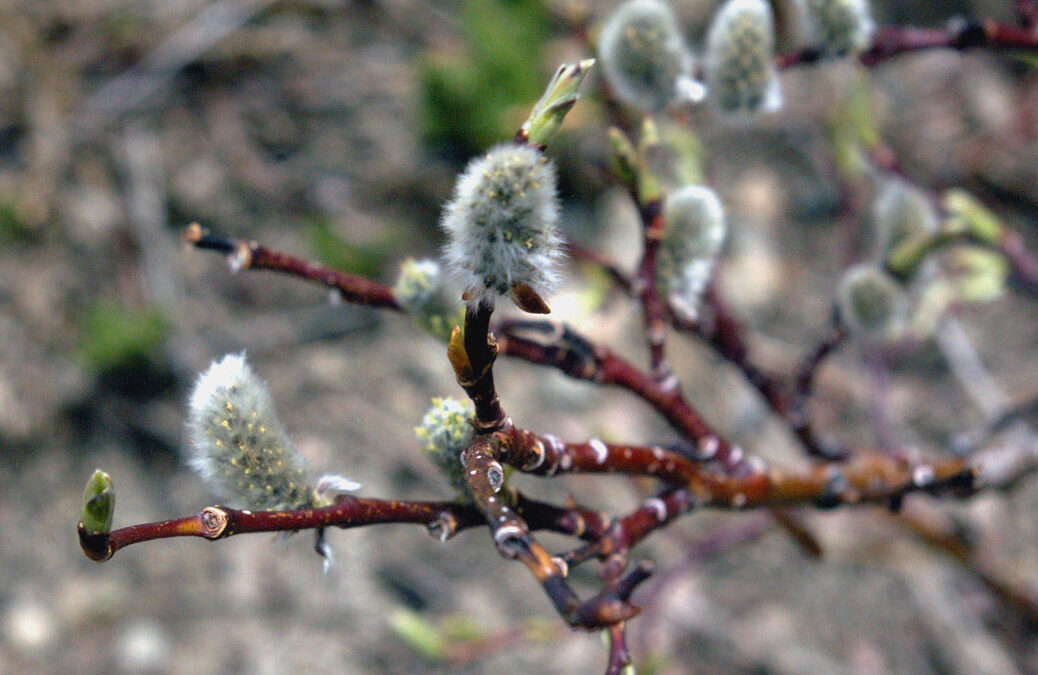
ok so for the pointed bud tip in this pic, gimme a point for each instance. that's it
(528, 300)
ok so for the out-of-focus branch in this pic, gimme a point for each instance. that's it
(933, 528)
(892, 41)
(722, 330)
(619, 656)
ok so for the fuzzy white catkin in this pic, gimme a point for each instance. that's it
(239, 445)
(838, 27)
(872, 304)
(501, 224)
(443, 434)
(422, 291)
(644, 56)
(693, 232)
(740, 47)
(902, 212)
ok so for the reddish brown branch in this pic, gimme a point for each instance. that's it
(722, 330)
(804, 383)
(557, 346)
(942, 536)
(1023, 265)
(484, 476)
(244, 255)
(619, 655)
(1027, 11)
(604, 263)
(892, 41)
(443, 519)
(218, 522)
(866, 477)
(472, 355)
(654, 308)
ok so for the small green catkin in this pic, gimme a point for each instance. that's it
(422, 291)
(443, 434)
(501, 224)
(838, 27)
(240, 447)
(872, 304)
(902, 212)
(740, 47)
(644, 56)
(693, 232)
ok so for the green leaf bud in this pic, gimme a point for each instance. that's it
(837, 27)
(240, 447)
(560, 95)
(443, 434)
(98, 504)
(420, 634)
(740, 46)
(422, 291)
(644, 56)
(625, 160)
(872, 304)
(693, 232)
(967, 214)
(977, 274)
(501, 225)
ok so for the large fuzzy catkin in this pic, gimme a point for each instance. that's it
(644, 56)
(501, 224)
(740, 47)
(239, 445)
(693, 232)
(838, 27)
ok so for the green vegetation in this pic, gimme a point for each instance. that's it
(467, 96)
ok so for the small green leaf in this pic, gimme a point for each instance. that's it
(978, 275)
(419, 633)
(624, 157)
(1027, 57)
(560, 95)
(686, 153)
(649, 187)
(98, 503)
(968, 214)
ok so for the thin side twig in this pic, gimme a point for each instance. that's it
(892, 41)
(442, 519)
(246, 255)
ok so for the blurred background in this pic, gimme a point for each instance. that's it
(333, 130)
